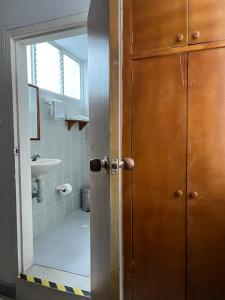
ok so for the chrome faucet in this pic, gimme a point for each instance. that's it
(35, 157)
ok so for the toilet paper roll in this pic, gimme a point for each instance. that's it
(65, 189)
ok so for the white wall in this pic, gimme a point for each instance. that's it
(14, 14)
(70, 146)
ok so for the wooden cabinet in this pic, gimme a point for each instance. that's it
(159, 115)
(206, 175)
(206, 21)
(157, 24)
(177, 125)
(174, 128)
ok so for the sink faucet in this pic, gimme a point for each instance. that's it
(35, 157)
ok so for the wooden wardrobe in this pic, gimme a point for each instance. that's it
(174, 129)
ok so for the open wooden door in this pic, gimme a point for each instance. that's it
(104, 137)
(103, 32)
(98, 34)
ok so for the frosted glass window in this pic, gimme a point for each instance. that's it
(29, 65)
(72, 77)
(50, 68)
(48, 72)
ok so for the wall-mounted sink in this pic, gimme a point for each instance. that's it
(43, 166)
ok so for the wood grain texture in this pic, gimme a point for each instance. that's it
(157, 24)
(159, 106)
(126, 152)
(206, 175)
(208, 18)
(176, 50)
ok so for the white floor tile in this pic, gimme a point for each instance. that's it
(67, 246)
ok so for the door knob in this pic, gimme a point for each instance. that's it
(127, 164)
(196, 35)
(96, 165)
(179, 193)
(180, 37)
(194, 195)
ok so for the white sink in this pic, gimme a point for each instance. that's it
(43, 166)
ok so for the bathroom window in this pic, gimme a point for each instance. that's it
(72, 77)
(50, 68)
(29, 65)
(48, 73)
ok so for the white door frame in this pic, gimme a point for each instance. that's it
(14, 41)
(18, 40)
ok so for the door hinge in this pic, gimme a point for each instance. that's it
(16, 151)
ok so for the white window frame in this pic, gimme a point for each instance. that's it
(62, 53)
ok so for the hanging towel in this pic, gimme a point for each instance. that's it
(80, 118)
(58, 111)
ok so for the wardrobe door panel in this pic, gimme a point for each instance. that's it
(206, 20)
(158, 24)
(206, 175)
(158, 132)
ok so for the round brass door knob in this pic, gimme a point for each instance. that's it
(180, 37)
(179, 193)
(196, 35)
(194, 195)
(127, 164)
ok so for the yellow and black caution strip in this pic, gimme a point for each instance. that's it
(56, 286)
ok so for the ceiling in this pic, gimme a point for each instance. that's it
(77, 46)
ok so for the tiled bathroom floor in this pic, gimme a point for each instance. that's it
(66, 247)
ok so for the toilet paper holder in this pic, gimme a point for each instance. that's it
(64, 189)
(61, 189)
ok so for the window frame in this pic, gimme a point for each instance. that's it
(63, 52)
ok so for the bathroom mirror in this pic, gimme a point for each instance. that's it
(34, 110)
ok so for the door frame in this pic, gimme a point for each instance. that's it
(18, 41)
(13, 42)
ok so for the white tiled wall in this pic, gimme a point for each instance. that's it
(71, 147)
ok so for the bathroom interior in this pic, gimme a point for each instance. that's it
(57, 85)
